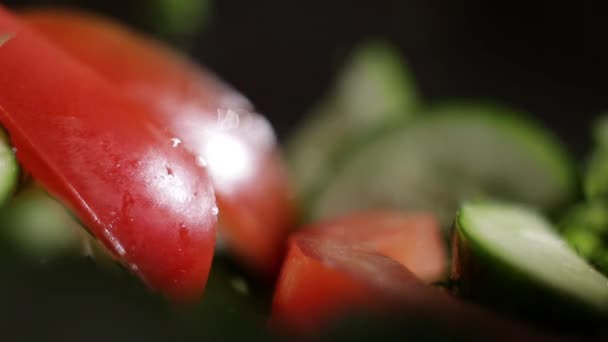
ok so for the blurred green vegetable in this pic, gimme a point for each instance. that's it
(510, 257)
(9, 168)
(177, 20)
(374, 89)
(455, 152)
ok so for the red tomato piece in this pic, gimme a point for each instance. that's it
(212, 120)
(323, 280)
(413, 240)
(104, 156)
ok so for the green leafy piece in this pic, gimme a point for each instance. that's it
(585, 227)
(455, 152)
(374, 89)
(510, 256)
(595, 178)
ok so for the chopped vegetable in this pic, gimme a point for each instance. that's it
(455, 152)
(413, 240)
(139, 193)
(9, 168)
(509, 256)
(323, 280)
(212, 121)
(373, 90)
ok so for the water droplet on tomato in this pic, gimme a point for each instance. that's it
(175, 142)
(201, 161)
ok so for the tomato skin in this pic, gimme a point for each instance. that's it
(324, 279)
(302, 301)
(145, 199)
(212, 120)
(414, 240)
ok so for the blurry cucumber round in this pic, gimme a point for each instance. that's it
(9, 168)
(453, 153)
(374, 88)
(510, 257)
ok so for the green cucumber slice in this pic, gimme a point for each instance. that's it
(456, 152)
(510, 256)
(373, 89)
(9, 168)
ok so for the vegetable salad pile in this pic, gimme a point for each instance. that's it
(144, 198)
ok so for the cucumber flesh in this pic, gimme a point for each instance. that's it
(373, 89)
(524, 262)
(456, 152)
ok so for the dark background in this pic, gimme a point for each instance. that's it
(547, 58)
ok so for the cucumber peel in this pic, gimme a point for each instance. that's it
(455, 152)
(373, 90)
(510, 255)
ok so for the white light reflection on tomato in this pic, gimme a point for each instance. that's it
(229, 142)
(173, 187)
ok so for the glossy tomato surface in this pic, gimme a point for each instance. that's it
(213, 121)
(107, 159)
(324, 280)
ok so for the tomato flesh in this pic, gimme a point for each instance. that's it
(413, 240)
(324, 279)
(213, 121)
(143, 197)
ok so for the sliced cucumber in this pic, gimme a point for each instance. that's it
(374, 88)
(455, 152)
(9, 168)
(510, 256)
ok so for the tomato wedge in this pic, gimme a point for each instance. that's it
(413, 240)
(212, 120)
(104, 156)
(323, 280)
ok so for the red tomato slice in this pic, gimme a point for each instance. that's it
(212, 120)
(413, 240)
(323, 279)
(108, 160)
